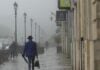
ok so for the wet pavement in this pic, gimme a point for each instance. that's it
(50, 60)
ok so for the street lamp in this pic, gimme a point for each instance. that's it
(35, 30)
(25, 25)
(39, 34)
(15, 8)
(51, 18)
(31, 25)
(52, 15)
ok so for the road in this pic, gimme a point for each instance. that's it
(50, 60)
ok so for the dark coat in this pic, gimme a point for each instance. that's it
(30, 49)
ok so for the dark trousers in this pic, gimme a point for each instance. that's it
(31, 63)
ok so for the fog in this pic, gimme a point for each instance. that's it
(39, 10)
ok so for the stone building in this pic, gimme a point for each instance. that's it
(86, 35)
(81, 38)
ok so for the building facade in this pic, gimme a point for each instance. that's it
(86, 35)
(81, 34)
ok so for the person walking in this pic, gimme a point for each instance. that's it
(13, 49)
(30, 51)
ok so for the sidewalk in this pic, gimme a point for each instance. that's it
(50, 60)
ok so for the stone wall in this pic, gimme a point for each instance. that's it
(97, 54)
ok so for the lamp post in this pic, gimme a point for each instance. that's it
(51, 18)
(15, 8)
(25, 15)
(31, 25)
(39, 35)
(53, 15)
(35, 30)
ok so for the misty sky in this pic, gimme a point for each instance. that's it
(39, 10)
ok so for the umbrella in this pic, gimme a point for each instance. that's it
(25, 59)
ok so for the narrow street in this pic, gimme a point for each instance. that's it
(50, 60)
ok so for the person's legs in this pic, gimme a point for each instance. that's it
(29, 64)
(12, 54)
(33, 63)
